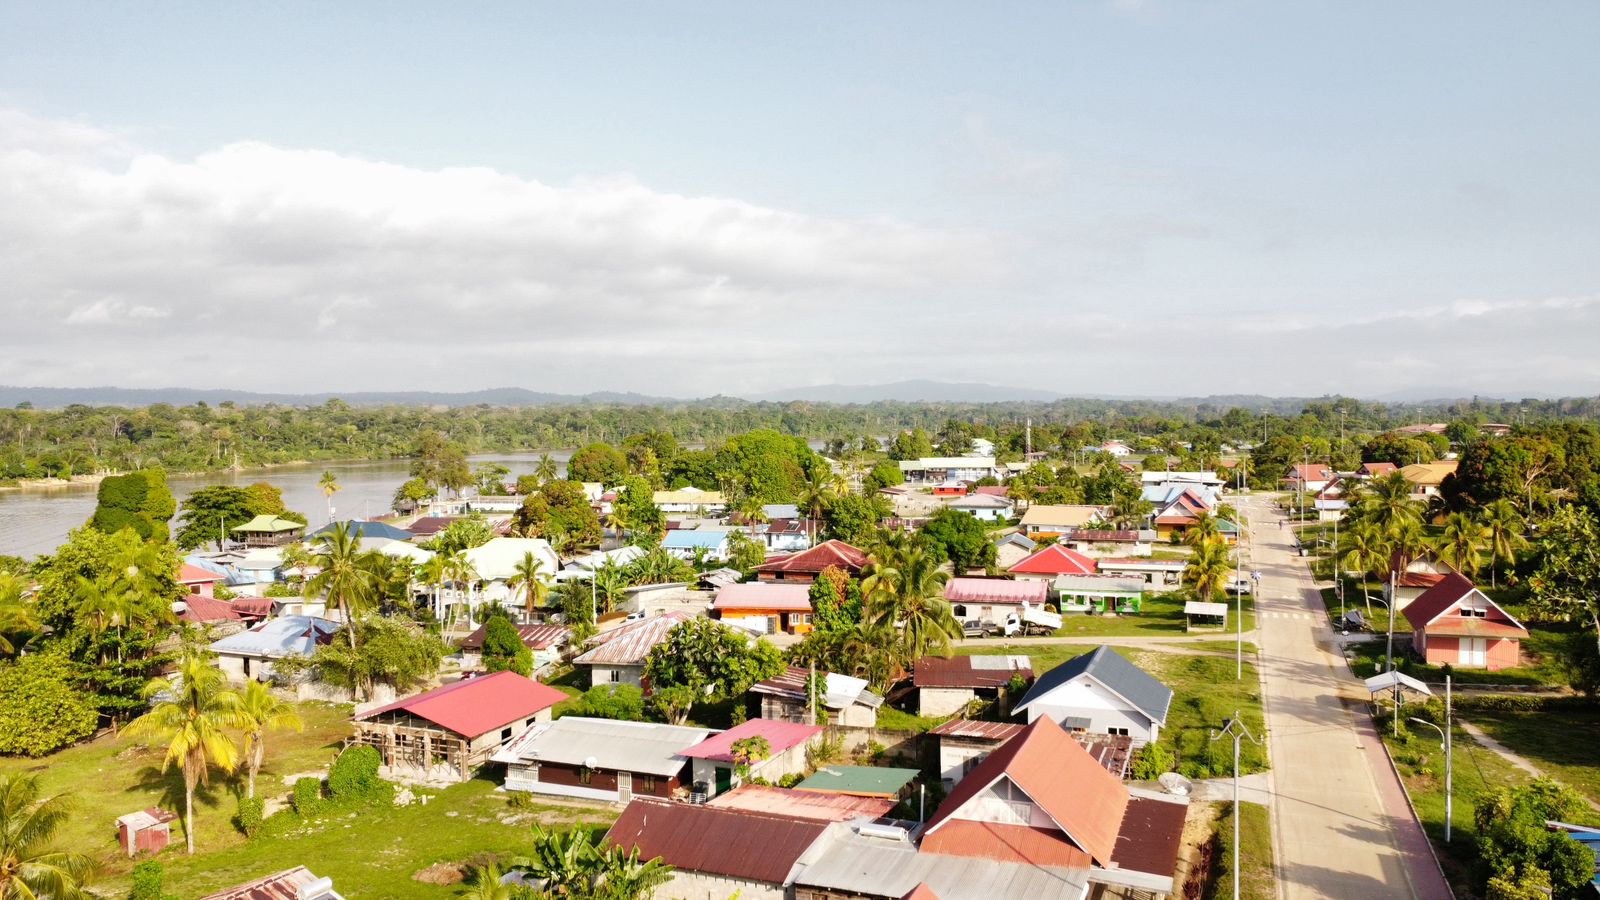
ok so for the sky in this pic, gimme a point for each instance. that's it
(689, 199)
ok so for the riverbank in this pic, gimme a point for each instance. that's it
(41, 484)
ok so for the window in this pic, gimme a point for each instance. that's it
(800, 619)
(505, 734)
(585, 775)
(647, 784)
(1121, 731)
(615, 675)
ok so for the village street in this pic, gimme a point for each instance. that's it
(1341, 825)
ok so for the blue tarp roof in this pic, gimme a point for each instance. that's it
(372, 530)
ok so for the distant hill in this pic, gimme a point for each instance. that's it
(909, 392)
(55, 398)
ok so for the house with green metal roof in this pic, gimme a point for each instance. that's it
(860, 781)
(269, 531)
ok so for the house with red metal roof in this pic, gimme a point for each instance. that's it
(716, 851)
(196, 580)
(1309, 477)
(992, 599)
(1041, 799)
(803, 567)
(297, 883)
(1376, 469)
(1411, 576)
(1051, 560)
(219, 616)
(716, 763)
(1454, 623)
(447, 732)
(948, 684)
(803, 804)
(765, 607)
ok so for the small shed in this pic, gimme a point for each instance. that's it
(145, 831)
(861, 781)
(1202, 615)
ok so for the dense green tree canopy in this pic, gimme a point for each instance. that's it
(705, 661)
(598, 462)
(960, 538)
(139, 501)
(559, 508)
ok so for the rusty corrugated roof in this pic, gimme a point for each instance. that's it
(1006, 843)
(630, 644)
(283, 885)
(734, 843)
(1151, 833)
(823, 555)
(803, 804)
(971, 671)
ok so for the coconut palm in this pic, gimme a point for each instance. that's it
(1462, 542)
(546, 470)
(434, 574)
(815, 492)
(31, 868)
(297, 558)
(1363, 549)
(460, 574)
(263, 711)
(193, 711)
(347, 579)
(527, 576)
(1207, 570)
(104, 603)
(753, 512)
(1504, 528)
(329, 485)
(18, 619)
(486, 884)
(1388, 502)
(1408, 538)
(1204, 531)
(906, 593)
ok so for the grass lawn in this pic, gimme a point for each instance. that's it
(1218, 646)
(1161, 616)
(891, 719)
(1378, 618)
(107, 778)
(1205, 694)
(1255, 855)
(1564, 743)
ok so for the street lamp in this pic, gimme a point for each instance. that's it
(1449, 761)
(1243, 732)
(1238, 594)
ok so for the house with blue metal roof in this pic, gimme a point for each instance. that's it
(684, 544)
(249, 655)
(1103, 693)
(368, 529)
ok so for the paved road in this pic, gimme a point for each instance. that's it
(1340, 824)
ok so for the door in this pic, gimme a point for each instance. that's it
(772, 624)
(1474, 651)
(724, 780)
(624, 786)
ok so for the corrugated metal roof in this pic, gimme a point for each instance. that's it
(476, 706)
(965, 589)
(871, 781)
(839, 690)
(286, 636)
(283, 885)
(803, 804)
(1150, 836)
(780, 736)
(975, 730)
(646, 747)
(1116, 674)
(630, 644)
(764, 595)
(1120, 584)
(1055, 560)
(694, 540)
(1061, 778)
(823, 555)
(1006, 843)
(734, 843)
(1065, 516)
(855, 864)
(534, 637)
(984, 671)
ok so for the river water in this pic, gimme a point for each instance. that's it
(36, 520)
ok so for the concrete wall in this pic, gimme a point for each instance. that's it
(943, 701)
(704, 886)
(602, 674)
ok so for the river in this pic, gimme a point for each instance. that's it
(36, 520)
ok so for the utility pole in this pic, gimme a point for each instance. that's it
(1242, 731)
(1449, 758)
(1238, 614)
(1388, 653)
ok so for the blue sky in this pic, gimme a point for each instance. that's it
(1351, 197)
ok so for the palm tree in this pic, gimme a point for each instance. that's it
(1363, 549)
(298, 558)
(106, 602)
(1504, 532)
(1388, 502)
(535, 589)
(815, 491)
(17, 616)
(1207, 571)
(546, 470)
(192, 711)
(263, 711)
(329, 485)
(753, 511)
(347, 579)
(461, 576)
(30, 866)
(1408, 538)
(1203, 531)
(906, 592)
(434, 573)
(486, 884)
(617, 522)
(1462, 542)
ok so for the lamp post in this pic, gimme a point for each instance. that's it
(1236, 729)
(1238, 615)
(1449, 761)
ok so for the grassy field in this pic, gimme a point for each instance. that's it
(1565, 744)
(107, 778)
(1161, 616)
(1205, 694)
(1255, 855)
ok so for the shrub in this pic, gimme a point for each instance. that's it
(251, 815)
(874, 750)
(354, 775)
(40, 712)
(1153, 761)
(307, 797)
(503, 650)
(611, 701)
(790, 780)
(829, 749)
(147, 878)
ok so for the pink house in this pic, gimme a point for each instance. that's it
(196, 580)
(1453, 622)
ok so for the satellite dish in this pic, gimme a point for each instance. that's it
(591, 763)
(1176, 784)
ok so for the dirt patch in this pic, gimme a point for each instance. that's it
(441, 873)
(1193, 858)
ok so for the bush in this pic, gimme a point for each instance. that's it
(307, 797)
(611, 701)
(147, 878)
(40, 712)
(251, 815)
(354, 775)
(503, 649)
(1519, 703)
(1153, 761)
(790, 780)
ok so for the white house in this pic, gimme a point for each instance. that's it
(986, 507)
(1101, 692)
(1116, 448)
(690, 500)
(684, 543)
(249, 654)
(948, 468)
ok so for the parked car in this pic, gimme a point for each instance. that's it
(973, 628)
(1242, 586)
(1354, 621)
